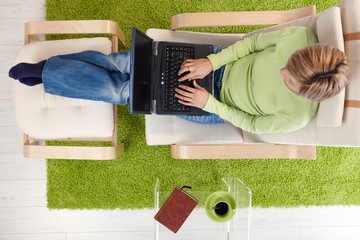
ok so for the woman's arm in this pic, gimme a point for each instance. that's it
(199, 68)
(255, 43)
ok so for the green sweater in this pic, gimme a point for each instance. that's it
(254, 96)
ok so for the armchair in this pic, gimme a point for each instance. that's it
(335, 123)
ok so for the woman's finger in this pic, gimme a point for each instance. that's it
(187, 88)
(182, 70)
(187, 61)
(182, 98)
(186, 103)
(184, 93)
(197, 86)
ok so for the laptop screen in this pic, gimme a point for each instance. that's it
(140, 77)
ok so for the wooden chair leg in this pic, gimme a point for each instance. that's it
(38, 149)
(243, 151)
(73, 152)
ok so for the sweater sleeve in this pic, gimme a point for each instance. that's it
(251, 123)
(254, 43)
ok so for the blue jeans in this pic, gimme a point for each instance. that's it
(95, 76)
(89, 75)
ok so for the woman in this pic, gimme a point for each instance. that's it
(265, 83)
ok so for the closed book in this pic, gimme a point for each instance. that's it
(176, 209)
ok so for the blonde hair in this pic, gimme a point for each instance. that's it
(322, 69)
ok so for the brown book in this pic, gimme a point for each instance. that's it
(176, 209)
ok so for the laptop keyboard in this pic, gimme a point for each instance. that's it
(175, 56)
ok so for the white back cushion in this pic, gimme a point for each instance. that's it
(328, 28)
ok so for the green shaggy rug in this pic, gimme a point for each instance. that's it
(128, 182)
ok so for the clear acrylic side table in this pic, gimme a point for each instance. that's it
(199, 226)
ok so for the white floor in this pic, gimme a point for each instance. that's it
(23, 211)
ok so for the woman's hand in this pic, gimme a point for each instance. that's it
(196, 68)
(192, 96)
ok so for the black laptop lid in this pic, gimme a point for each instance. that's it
(140, 77)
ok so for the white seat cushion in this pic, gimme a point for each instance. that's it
(164, 130)
(46, 116)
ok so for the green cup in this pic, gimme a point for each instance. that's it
(220, 206)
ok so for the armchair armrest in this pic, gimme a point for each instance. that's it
(250, 18)
(75, 27)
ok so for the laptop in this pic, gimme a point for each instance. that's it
(153, 78)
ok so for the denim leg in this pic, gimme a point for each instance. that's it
(212, 118)
(89, 75)
(114, 62)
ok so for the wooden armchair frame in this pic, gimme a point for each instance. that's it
(36, 148)
(239, 151)
(252, 18)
